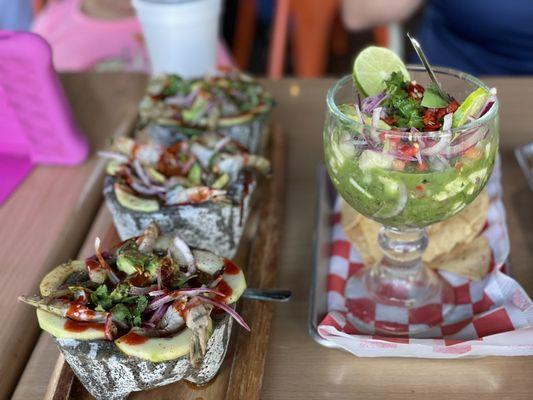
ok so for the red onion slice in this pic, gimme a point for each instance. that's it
(467, 143)
(228, 309)
(139, 291)
(158, 314)
(156, 303)
(444, 139)
(109, 328)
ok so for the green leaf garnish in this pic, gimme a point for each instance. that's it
(432, 98)
(405, 110)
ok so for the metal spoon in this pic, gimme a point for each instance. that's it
(433, 77)
(280, 295)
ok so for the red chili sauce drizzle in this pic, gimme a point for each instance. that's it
(139, 280)
(230, 267)
(225, 289)
(92, 264)
(133, 338)
(76, 326)
(78, 311)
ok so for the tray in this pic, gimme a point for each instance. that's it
(318, 301)
(524, 155)
(241, 374)
(318, 297)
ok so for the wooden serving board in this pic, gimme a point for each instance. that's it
(241, 374)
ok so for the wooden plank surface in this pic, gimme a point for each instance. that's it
(47, 217)
(297, 367)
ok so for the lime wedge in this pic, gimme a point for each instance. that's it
(470, 107)
(373, 66)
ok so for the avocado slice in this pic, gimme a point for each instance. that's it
(55, 326)
(211, 263)
(125, 264)
(157, 349)
(112, 167)
(222, 181)
(208, 262)
(133, 202)
(152, 266)
(155, 175)
(195, 174)
(237, 283)
(58, 275)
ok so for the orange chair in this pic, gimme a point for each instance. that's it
(312, 23)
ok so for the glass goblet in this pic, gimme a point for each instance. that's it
(405, 191)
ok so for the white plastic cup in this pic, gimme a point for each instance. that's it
(181, 35)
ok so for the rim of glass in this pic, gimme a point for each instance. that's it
(332, 106)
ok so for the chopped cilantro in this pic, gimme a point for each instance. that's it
(100, 297)
(405, 110)
(125, 308)
(175, 85)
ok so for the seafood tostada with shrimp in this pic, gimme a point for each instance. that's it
(229, 102)
(200, 187)
(148, 312)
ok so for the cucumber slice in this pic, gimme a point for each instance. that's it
(155, 175)
(56, 326)
(221, 182)
(59, 275)
(133, 202)
(157, 349)
(395, 200)
(195, 174)
(371, 159)
(470, 107)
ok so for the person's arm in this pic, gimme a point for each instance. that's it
(364, 14)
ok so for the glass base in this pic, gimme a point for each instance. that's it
(399, 295)
(399, 307)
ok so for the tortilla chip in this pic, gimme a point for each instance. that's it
(471, 260)
(461, 228)
(443, 236)
(448, 240)
(349, 217)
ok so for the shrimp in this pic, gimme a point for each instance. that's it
(182, 253)
(232, 164)
(147, 153)
(194, 195)
(172, 320)
(197, 319)
(66, 309)
(148, 239)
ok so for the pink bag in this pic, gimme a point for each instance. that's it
(36, 123)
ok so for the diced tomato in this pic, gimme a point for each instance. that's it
(474, 152)
(392, 138)
(408, 150)
(415, 91)
(430, 120)
(452, 107)
(420, 188)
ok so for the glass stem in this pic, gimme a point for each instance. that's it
(403, 249)
(400, 278)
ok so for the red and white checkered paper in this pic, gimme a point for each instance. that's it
(492, 316)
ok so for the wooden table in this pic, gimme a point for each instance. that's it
(297, 367)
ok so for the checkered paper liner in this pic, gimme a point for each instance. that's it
(492, 316)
